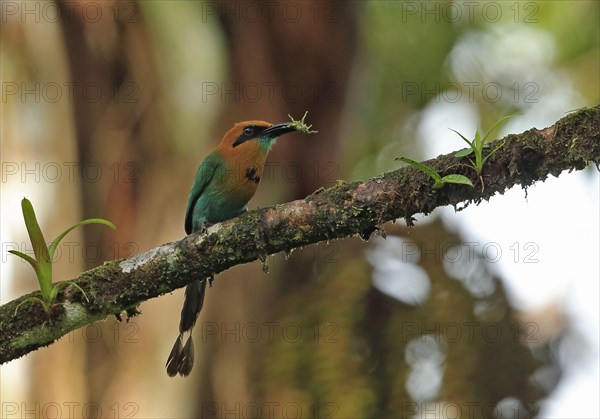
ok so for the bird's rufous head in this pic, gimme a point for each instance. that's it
(261, 131)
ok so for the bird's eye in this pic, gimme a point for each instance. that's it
(248, 131)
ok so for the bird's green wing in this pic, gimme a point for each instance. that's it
(205, 173)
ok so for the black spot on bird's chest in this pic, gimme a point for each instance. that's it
(252, 175)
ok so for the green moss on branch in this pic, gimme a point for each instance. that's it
(345, 210)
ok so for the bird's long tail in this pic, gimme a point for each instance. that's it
(181, 358)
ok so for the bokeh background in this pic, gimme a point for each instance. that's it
(108, 107)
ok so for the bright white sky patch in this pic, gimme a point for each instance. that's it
(549, 242)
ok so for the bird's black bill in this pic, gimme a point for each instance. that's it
(279, 129)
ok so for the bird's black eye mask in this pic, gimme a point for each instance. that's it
(249, 132)
(272, 132)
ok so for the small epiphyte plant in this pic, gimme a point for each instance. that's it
(42, 263)
(476, 147)
(438, 181)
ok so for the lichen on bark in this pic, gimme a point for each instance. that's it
(345, 210)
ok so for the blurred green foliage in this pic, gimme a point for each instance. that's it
(411, 59)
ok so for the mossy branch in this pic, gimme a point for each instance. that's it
(345, 210)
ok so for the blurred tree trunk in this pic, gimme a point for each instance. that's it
(295, 71)
(118, 138)
(299, 59)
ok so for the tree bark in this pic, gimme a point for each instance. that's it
(342, 211)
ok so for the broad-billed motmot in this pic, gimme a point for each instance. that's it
(224, 183)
